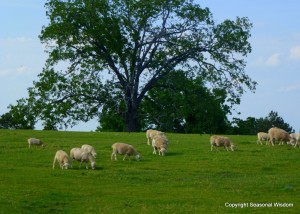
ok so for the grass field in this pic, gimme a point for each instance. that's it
(189, 179)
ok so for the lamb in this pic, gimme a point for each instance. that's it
(62, 158)
(160, 143)
(81, 155)
(150, 133)
(123, 148)
(218, 141)
(295, 137)
(278, 134)
(262, 136)
(35, 141)
(89, 149)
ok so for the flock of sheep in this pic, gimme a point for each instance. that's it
(280, 135)
(159, 141)
(274, 134)
(87, 153)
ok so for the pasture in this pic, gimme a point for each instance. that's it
(189, 179)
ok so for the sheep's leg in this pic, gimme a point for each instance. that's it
(113, 156)
(154, 150)
(54, 163)
(211, 147)
(148, 141)
(296, 144)
(125, 156)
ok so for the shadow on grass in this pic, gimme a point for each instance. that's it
(174, 154)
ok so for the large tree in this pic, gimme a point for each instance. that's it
(100, 50)
(183, 104)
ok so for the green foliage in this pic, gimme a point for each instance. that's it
(19, 116)
(254, 125)
(101, 50)
(183, 104)
(189, 179)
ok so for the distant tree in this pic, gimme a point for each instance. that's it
(125, 47)
(248, 126)
(19, 116)
(274, 120)
(252, 125)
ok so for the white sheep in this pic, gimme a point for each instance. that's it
(35, 141)
(160, 143)
(218, 141)
(81, 155)
(62, 158)
(295, 137)
(278, 134)
(123, 148)
(89, 149)
(262, 136)
(150, 133)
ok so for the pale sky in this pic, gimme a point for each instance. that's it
(274, 62)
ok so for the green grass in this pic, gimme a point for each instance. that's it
(189, 179)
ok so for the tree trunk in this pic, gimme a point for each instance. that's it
(131, 120)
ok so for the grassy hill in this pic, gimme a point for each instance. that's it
(189, 179)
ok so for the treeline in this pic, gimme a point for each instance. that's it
(252, 126)
(170, 111)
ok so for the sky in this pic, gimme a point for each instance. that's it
(274, 61)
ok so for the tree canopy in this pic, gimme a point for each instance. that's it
(252, 126)
(104, 52)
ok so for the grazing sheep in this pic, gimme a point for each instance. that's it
(160, 143)
(262, 136)
(295, 137)
(62, 158)
(218, 141)
(89, 149)
(151, 133)
(278, 134)
(35, 141)
(123, 148)
(81, 155)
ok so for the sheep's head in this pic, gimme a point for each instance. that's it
(233, 147)
(163, 151)
(66, 165)
(93, 164)
(138, 157)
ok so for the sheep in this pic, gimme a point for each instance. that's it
(278, 134)
(218, 141)
(63, 159)
(123, 148)
(150, 133)
(81, 155)
(295, 137)
(89, 149)
(35, 141)
(160, 143)
(262, 136)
